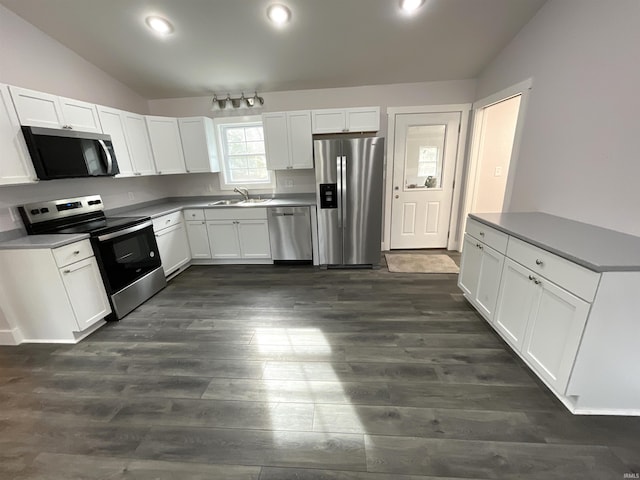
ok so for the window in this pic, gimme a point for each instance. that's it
(428, 162)
(244, 162)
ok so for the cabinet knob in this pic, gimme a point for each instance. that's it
(159, 172)
(537, 282)
(538, 261)
(482, 234)
(531, 277)
(77, 252)
(66, 271)
(345, 129)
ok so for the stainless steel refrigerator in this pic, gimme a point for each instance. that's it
(349, 193)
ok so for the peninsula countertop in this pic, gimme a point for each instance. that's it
(596, 248)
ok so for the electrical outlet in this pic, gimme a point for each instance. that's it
(497, 172)
(131, 196)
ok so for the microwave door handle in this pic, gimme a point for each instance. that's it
(107, 156)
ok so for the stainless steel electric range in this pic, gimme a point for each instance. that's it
(125, 247)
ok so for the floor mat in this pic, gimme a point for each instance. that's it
(417, 263)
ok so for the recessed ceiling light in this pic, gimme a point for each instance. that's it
(278, 14)
(159, 25)
(410, 6)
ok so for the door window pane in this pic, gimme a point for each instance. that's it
(424, 155)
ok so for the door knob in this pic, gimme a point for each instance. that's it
(397, 196)
(396, 188)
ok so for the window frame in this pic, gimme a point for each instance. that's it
(224, 176)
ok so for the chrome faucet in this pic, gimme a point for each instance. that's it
(242, 191)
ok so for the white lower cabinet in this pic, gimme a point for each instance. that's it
(223, 239)
(173, 245)
(198, 239)
(253, 236)
(52, 295)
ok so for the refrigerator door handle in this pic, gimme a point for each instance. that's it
(339, 189)
(343, 193)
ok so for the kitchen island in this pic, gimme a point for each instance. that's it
(563, 295)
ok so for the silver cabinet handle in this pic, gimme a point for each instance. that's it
(538, 261)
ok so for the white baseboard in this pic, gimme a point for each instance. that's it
(10, 337)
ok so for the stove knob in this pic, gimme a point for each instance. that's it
(35, 211)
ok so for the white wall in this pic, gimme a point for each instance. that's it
(579, 151)
(31, 59)
(498, 131)
(396, 95)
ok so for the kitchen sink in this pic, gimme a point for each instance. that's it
(221, 203)
(254, 200)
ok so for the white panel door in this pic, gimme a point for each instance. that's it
(300, 139)
(113, 124)
(254, 238)
(135, 130)
(80, 116)
(470, 267)
(553, 333)
(85, 290)
(515, 297)
(15, 162)
(489, 280)
(276, 139)
(37, 109)
(424, 162)
(166, 145)
(198, 239)
(223, 239)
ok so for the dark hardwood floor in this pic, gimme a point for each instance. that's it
(283, 373)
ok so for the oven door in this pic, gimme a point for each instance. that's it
(127, 255)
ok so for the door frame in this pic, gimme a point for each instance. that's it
(470, 191)
(464, 109)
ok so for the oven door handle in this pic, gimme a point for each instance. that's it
(126, 231)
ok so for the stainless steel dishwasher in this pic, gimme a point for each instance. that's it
(290, 234)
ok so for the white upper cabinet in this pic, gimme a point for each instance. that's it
(343, 120)
(15, 164)
(135, 130)
(40, 109)
(113, 124)
(288, 140)
(199, 144)
(166, 144)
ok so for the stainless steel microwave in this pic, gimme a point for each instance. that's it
(69, 153)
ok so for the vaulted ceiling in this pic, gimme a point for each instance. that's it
(229, 45)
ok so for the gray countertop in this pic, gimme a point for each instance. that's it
(42, 241)
(153, 211)
(595, 248)
(160, 209)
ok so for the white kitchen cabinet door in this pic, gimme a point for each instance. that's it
(489, 281)
(199, 144)
(515, 298)
(85, 290)
(81, 116)
(254, 239)
(223, 239)
(276, 139)
(112, 122)
(15, 163)
(300, 139)
(173, 247)
(553, 333)
(135, 130)
(365, 119)
(198, 239)
(37, 109)
(470, 267)
(166, 145)
(329, 120)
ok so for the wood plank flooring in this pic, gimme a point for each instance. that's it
(295, 373)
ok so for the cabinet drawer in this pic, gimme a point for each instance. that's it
(236, 213)
(166, 221)
(574, 278)
(490, 236)
(73, 252)
(194, 214)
